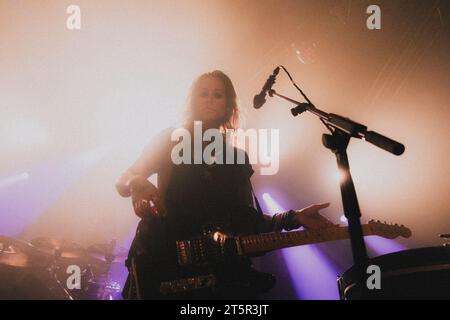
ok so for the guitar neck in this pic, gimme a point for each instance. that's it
(261, 243)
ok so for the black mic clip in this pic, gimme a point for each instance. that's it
(302, 107)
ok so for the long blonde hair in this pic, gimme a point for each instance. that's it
(231, 119)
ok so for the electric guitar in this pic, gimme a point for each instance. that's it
(197, 263)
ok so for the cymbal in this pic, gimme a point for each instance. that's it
(59, 248)
(17, 253)
(108, 252)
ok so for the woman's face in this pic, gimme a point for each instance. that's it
(210, 101)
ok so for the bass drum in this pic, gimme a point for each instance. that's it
(29, 284)
(422, 273)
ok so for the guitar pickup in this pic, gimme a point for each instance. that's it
(184, 253)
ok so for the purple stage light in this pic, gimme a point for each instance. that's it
(380, 246)
(25, 196)
(313, 275)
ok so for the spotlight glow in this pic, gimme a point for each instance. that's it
(22, 203)
(305, 264)
(24, 132)
(14, 179)
(383, 246)
(271, 204)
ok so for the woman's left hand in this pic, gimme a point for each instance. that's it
(310, 218)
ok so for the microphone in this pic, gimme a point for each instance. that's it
(260, 99)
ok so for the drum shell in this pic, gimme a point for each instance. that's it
(422, 273)
(28, 284)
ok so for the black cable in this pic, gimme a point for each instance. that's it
(295, 85)
(305, 97)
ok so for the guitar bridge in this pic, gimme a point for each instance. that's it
(187, 284)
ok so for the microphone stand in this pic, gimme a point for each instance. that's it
(342, 130)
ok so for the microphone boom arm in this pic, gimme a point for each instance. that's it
(342, 130)
(347, 125)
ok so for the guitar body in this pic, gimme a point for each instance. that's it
(214, 262)
(206, 265)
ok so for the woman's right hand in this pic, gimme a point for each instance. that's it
(145, 198)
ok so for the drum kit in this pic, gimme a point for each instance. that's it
(40, 269)
(413, 274)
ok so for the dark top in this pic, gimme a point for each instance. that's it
(200, 194)
(197, 197)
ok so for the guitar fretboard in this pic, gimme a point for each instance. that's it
(261, 243)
